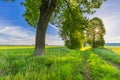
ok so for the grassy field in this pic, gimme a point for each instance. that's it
(108, 55)
(60, 63)
(115, 49)
(15, 47)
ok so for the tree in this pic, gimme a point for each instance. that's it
(72, 28)
(95, 33)
(39, 12)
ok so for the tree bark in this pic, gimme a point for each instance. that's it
(46, 10)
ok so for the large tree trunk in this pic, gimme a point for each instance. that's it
(46, 10)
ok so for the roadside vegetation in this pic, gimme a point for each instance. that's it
(115, 49)
(59, 63)
(100, 69)
(108, 55)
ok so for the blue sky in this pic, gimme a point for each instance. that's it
(15, 30)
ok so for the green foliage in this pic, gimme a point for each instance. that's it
(73, 22)
(32, 12)
(72, 27)
(75, 41)
(100, 43)
(96, 32)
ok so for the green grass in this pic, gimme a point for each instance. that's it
(59, 63)
(115, 49)
(101, 70)
(108, 55)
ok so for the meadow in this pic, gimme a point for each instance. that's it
(60, 63)
(115, 49)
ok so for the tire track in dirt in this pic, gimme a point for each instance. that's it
(86, 73)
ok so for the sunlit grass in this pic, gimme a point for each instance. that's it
(59, 63)
(101, 70)
(85, 48)
(108, 55)
(21, 47)
(115, 49)
(15, 47)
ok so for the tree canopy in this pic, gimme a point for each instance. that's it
(96, 32)
(32, 12)
(72, 28)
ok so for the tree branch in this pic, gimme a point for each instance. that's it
(69, 9)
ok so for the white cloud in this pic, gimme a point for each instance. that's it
(16, 31)
(113, 39)
(17, 35)
(54, 40)
(3, 40)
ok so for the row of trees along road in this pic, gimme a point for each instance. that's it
(90, 31)
(38, 13)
